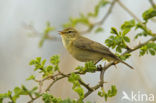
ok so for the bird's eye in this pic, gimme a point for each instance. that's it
(69, 31)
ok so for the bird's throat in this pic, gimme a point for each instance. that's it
(66, 42)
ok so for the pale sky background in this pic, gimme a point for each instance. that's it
(17, 49)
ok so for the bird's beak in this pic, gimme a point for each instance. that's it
(61, 32)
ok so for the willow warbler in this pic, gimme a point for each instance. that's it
(84, 49)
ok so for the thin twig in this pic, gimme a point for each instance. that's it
(136, 18)
(152, 3)
(40, 86)
(103, 19)
(140, 45)
(108, 13)
(61, 77)
(130, 12)
(94, 89)
(85, 85)
(112, 63)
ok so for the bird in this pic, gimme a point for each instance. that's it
(85, 50)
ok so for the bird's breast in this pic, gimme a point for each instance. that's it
(81, 54)
(64, 42)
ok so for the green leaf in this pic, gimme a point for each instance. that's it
(102, 3)
(101, 94)
(141, 34)
(48, 28)
(45, 35)
(80, 91)
(99, 30)
(152, 52)
(118, 49)
(113, 91)
(125, 56)
(80, 68)
(9, 93)
(18, 91)
(38, 59)
(148, 14)
(74, 21)
(49, 69)
(43, 62)
(126, 27)
(150, 47)
(32, 62)
(37, 94)
(55, 59)
(41, 42)
(31, 77)
(68, 101)
(34, 89)
(114, 31)
(128, 24)
(106, 97)
(126, 38)
(3, 96)
(73, 77)
(90, 67)
(47, 98)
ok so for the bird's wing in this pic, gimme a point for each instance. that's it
(87, 44)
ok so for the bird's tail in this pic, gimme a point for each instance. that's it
(118, 59)
(126, 64)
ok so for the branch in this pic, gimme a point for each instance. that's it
(108, 13)
(85, 85)
(136, 18)
(94, 89)
(152, 3)
(103, 19)
(55, 78)
(90, 89)
(112, 63)
(103, 69)
(140, 45)
(126, 9)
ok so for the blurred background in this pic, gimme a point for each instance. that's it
(19, 18)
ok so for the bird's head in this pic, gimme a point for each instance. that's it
(69, 33)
